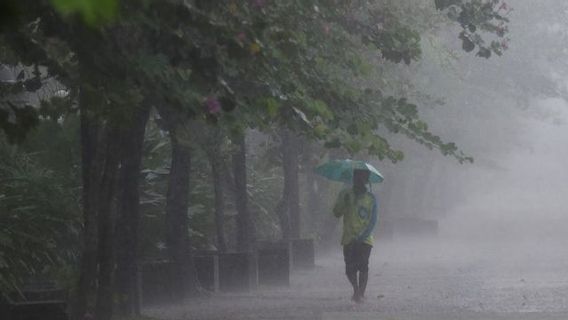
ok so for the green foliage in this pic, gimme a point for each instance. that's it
(154, 181)
(297, 63)
(265, 179)
(400, 45)
(92, 12)
(55, 145)
(37, 217)
(201, 209)
(476, 16)
(16, 121)
(317, 91)
(306, 65)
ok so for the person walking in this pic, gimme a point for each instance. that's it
(358, 207)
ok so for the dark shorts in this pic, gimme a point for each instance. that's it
(356, 257)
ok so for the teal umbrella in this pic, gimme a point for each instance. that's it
(342, 170)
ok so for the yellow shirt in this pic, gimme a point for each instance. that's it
(359, 216)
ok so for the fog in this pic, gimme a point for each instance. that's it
(500, 245)
(230, 218)
(499, 250)
(511, 115)
(524, 197)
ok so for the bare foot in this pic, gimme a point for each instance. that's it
(355, 298)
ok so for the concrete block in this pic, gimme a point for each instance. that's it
(238, 271)
(157, 282)
(274, 263)
(303, 253)
(207, 268)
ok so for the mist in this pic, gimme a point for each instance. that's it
(498, 249)
(391, 160)
(513, 124)
(502, 219)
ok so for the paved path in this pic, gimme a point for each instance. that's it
(411, 281)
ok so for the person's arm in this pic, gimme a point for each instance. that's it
(372, 221)
(340, 204)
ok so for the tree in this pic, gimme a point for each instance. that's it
(212, 140)
(289, 206)
(177, 223)
(245, 228)
(129, 213)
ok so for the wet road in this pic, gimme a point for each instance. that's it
(411, 280)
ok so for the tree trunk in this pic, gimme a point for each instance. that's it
(291, 195)
(88, 262)
(177, 221)
(105, 225)
(217, 173)
(313, 199)
(245, 230)
(129, 214)
(282, 214)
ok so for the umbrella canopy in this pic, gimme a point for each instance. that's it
(342, 170)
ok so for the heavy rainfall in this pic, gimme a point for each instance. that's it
(263, 159)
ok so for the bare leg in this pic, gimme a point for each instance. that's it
(351, 269)
(363, 276)
(352, 276)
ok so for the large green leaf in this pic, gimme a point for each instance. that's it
(92, 11)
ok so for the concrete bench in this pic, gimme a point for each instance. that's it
(207, 268)
(238, 271)
(303, 253)
(274, 263)
(215, 271)
(36, 301)
(157, 278)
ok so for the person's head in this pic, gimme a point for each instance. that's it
(360, 177)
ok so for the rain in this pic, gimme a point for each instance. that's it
(235, 159)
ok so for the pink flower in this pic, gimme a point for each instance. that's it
(503, 6)
(326, 29)
(500, 31)
(213, 105)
